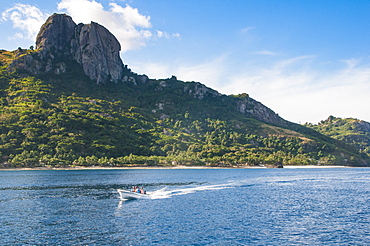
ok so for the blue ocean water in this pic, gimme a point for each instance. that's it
(186, 207)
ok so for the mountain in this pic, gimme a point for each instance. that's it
(61, 44)
(72, 101)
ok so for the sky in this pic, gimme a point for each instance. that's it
(306, 60)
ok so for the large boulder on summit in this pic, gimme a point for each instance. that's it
(91, 45)
(56, 32)
(97, 50)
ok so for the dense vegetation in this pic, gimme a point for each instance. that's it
(352, 131)
(62, 120)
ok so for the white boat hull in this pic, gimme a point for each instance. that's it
(126, 195)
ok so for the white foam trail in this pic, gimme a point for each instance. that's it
(165, 193)
(168, 192)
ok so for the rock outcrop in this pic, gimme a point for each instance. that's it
(251, 107)
(199, 91)
(56, 33)
(91, 45)
(97, 50)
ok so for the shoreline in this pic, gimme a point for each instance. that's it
(313, 166)
(159, 167)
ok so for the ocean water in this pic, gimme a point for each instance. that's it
(329, 206)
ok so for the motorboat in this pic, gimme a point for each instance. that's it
(127, 195)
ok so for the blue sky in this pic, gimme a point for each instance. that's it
(304, 59)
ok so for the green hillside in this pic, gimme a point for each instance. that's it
(352, 131)
(66, 119)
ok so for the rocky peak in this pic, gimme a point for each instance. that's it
(56, 32)
(97, 50)
(91, 45)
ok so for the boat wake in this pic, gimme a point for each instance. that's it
(168, 193)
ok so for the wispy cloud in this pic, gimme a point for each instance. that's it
(28, 19)
(266, 52)
(162, 34)
(246, 30)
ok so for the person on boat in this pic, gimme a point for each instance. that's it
(135, 189)
(142, 190)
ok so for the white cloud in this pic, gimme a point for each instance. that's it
(129, 26)
(25, 17)
(161, 34)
